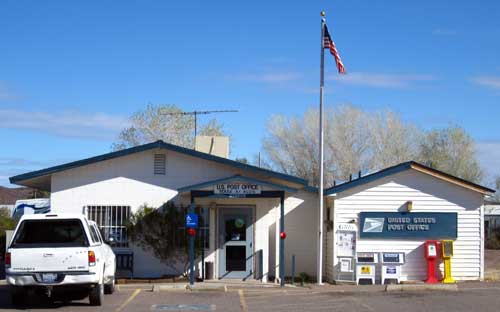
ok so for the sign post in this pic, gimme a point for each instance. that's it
(191, 226)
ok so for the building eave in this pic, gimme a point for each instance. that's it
(23, 178)
(407, 166)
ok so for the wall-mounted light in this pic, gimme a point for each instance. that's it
(409, 206)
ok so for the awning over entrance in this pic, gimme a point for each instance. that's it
(238, 186)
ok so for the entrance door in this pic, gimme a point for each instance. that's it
(235, 243)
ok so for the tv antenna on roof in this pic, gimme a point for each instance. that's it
(195, 115)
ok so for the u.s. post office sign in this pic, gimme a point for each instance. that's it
(411, 225)
(237, 188)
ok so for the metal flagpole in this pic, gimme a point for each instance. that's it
(321, 147)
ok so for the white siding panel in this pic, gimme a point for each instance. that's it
(130, 181)
(428, 194)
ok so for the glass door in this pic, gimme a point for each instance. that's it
(235, 243)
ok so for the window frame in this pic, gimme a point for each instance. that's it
(111, 220)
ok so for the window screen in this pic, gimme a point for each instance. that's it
(112, 222)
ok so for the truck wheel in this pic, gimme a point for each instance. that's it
(17, 296)
(110, 288)
(96, 295)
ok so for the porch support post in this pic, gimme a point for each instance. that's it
(282, 240)
(191, 248)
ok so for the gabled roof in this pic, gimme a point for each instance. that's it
(406, 166)
(237, 178)
(158, 144)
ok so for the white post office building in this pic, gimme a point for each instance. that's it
(246, 208)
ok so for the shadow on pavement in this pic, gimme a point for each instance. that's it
(36, 301)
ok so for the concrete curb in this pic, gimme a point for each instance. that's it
(421, 287)
(167, 287)
(173, 287)
(197, 287)
(492, 275)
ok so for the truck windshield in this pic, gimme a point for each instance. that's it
(50, 233)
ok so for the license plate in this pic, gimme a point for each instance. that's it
(49, 277)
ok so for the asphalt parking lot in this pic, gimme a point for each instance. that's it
(319, 299)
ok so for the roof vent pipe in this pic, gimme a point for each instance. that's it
(350, 177)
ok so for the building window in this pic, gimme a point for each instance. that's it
(160, 164)
(112, 222)
(202, 233)
(94, 235)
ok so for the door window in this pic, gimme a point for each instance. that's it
(236, 229)
(236, 259)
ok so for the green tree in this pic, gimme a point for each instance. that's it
(6, 223)
(367, 141)
(355, 140)
(164, 122)
(453, 151)
(161, 231)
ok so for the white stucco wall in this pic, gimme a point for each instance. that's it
(428, 194)
(129, 180)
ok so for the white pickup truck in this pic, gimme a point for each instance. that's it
(59, 252)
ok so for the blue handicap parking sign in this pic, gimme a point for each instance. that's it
(192, 220)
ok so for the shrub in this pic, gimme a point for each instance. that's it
(304, 278)
(6, 223)
(162, 232)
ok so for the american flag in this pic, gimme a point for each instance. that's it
(329, 44)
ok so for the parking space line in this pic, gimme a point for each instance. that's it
(243, 303)
(129, 299)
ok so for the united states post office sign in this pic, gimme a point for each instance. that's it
(408, 225)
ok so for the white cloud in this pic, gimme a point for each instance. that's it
(270, 77)
(11, 166)
(68, 124)
(381, 80)
(487, 81)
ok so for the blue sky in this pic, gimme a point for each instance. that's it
(72, 72)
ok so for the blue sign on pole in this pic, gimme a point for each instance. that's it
(192, 221)
(410, 225)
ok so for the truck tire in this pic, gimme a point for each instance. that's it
(110, 288)
(17, 296)
(96, 295)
